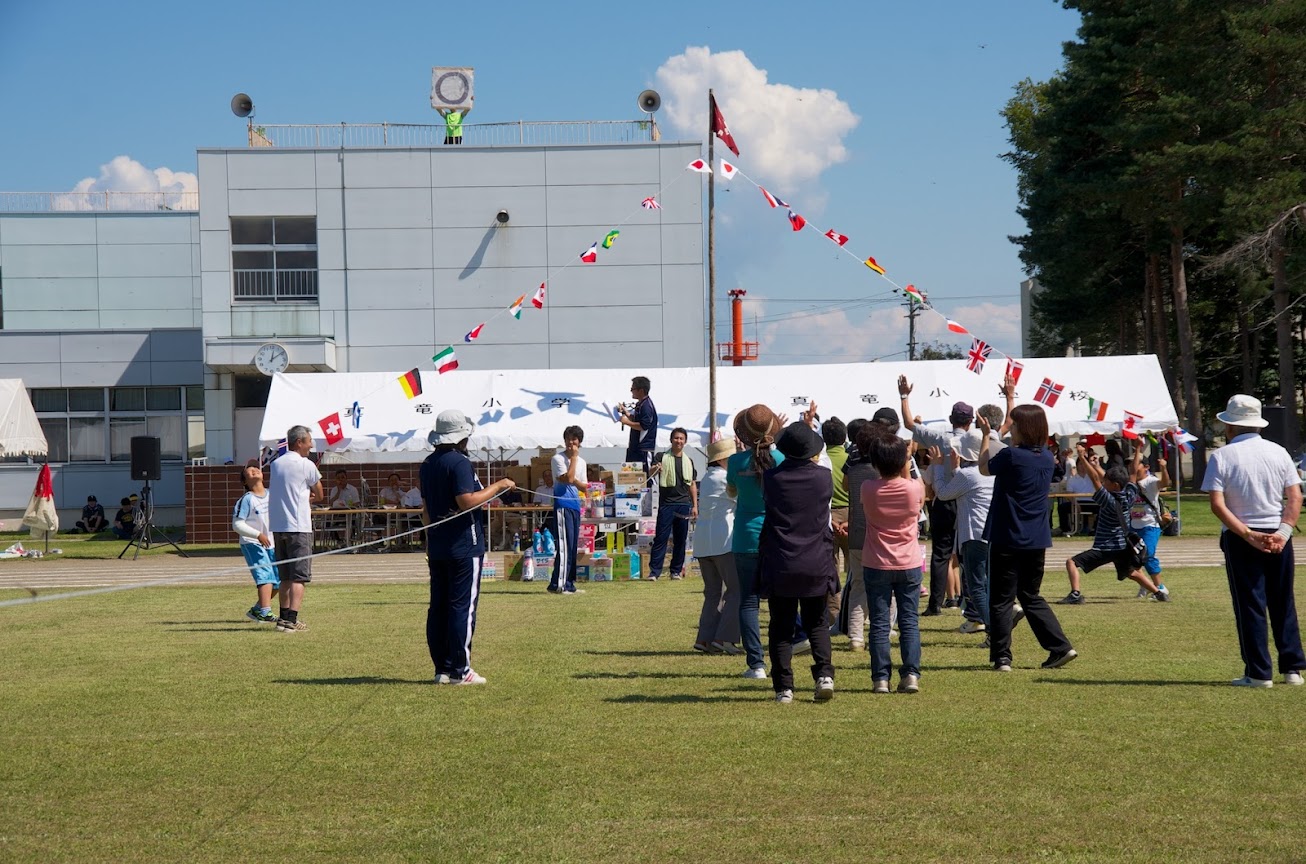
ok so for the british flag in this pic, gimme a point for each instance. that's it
(979, 352)
(1048, 392)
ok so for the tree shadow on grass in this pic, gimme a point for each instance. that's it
(1137, 682)
(639, 653)
(246, 628)
(631, 676)
(350, 680)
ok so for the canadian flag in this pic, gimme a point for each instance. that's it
(1130, 427)
(728, 171)
(538, 300)
(590, 255)
(332, 429)
(700, 166)
(836, 236)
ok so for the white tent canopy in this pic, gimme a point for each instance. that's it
(530, 407)
(20, 432)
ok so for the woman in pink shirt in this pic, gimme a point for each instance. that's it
(891, 561)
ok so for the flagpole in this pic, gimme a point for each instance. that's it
(711, 276)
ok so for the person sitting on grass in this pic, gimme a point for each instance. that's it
(250, 521)
(1113, 495)
(124, 521)
(93, 520)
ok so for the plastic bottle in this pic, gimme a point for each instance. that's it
(550, 548)
(528, 565)
(516, 542)
(537, 542)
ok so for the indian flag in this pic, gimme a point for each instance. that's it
(411, 381)
(515, 309)
(445, 361)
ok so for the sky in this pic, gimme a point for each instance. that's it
(877, 119)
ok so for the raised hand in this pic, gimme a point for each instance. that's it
(904, 387)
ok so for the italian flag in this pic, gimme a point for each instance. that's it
(911, 291)
(445, 361)
(1096, 410)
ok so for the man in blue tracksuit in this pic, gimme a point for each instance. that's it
(455, 546)
(569, 483)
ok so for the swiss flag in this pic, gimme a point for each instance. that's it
(836, 236)
(332, 429)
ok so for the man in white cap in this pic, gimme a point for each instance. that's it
(455, 546)
(1256, 492)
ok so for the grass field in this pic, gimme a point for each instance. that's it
(159, 725)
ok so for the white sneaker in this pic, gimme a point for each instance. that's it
(756, 674)
(880, 687)
(442, 678)
(824, 689)
(971, 627)
(471, 678)
(909, 684)
(1017, 612)
(1253, 682)
(1293, 679)
(803, 647)
(1002, 667)
(784, 697)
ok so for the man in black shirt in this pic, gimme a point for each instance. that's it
(643, 423)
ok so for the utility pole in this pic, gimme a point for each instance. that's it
(711, 277)
(911, 328)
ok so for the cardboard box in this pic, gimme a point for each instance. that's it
(586, 541)
(521, 475)
(543, 568)
(490, 571)
(627, 566)
(630, 478)
(518, 568)
(626, 507)
(601, 570)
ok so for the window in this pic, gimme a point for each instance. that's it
(96, 424)
(274, 259)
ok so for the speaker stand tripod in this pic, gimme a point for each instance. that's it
(145, 532)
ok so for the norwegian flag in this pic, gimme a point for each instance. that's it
(797, 221)
(1014, 368)
(650, 203)
(332, 429)
(1048, 392)
(1129, 428)
(771, 199)
(979, 352)
(700, 166)
(728, 171)
(838, 238)
(538, 300)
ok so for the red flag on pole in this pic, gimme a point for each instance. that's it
(719, 127)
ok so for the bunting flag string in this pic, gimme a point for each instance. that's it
(538, 300)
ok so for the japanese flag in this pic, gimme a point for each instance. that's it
(728, 171)
(700, 166)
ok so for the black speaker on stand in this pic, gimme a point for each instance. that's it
(147, 465)
(1277, 431)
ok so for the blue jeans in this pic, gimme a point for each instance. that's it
(1151, 536)
(750, 633)
(905, 585)
(673, 523)
(975, 576)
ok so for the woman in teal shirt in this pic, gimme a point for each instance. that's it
(755, 430)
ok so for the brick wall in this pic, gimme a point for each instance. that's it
(212, 490)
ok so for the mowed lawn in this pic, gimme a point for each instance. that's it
(158, 725)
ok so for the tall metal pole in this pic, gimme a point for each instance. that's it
(911, 329)
(711, 277)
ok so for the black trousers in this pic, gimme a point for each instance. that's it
(1018, 573)
(1261, 587)
(785, 612)
(943, 537)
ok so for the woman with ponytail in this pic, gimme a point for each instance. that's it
(755, 432)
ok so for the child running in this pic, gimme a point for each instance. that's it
(1113, 494)
(250, 521)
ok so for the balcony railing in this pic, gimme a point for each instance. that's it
(349, 135)
(275, 286)
(116, 202)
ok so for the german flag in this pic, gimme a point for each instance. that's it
(411, 381)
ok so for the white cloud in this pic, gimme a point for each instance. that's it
(786, 135)
(122, 176)
(848, 336)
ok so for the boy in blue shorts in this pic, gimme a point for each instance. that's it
(250, 521)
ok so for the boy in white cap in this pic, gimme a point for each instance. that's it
(455, 546)
(1256, 492)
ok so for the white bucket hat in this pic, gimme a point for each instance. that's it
(968, 445)
(451, 426)
(1244, 411)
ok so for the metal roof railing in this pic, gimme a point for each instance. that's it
(101, 202)
(531, 132)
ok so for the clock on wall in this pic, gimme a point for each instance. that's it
(271, 359)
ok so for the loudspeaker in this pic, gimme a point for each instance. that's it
(147, 458)
(1277, 431)
(649, 101)
(242, 105)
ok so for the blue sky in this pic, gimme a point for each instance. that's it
(919, 184)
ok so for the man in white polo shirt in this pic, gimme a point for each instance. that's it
(295, 486)
(1256, 493)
